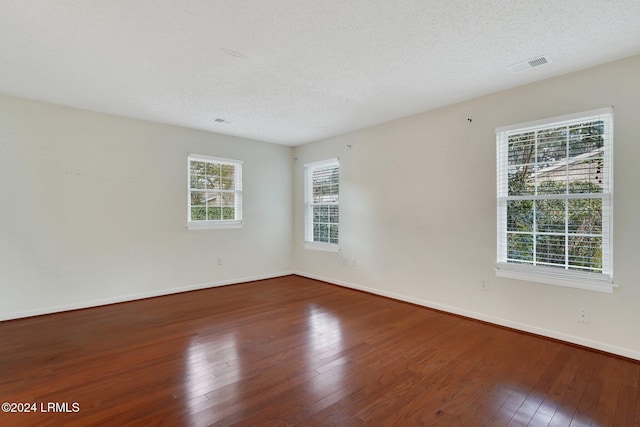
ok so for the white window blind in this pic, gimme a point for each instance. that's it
(555, 200)
(215, 192)
(322, 213)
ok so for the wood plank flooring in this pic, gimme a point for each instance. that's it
(294, 351)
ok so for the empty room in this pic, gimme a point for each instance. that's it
(319, 213)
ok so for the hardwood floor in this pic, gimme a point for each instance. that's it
(294, 351)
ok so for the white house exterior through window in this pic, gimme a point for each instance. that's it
(555, 201)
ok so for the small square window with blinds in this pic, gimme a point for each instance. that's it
(322, 213)
(214, 192)
(554, 200)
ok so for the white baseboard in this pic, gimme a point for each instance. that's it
(141, 295)
(597, 345)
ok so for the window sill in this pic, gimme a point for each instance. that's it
(551, 276)
(213, 225)
(327, 247)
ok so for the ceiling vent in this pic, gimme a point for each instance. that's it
(529, 64)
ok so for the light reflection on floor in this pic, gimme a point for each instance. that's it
(212, 368)
(324, 340)
(530, 408)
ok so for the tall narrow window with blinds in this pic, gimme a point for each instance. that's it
(215, 192)
(555, 201)
(322, 213)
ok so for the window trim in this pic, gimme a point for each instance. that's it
(593, 281)
(308, 207)
(221, 223)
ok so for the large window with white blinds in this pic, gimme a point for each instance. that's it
(555, 200)
(322, 211)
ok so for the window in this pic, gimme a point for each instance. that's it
(215, 193)
(322, 215)
(555, 201)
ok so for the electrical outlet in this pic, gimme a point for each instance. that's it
(353, 262)
(484, 284)
(219, 260)
(345, 261)
(583, 316)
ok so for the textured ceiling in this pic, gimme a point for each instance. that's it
(295, 71)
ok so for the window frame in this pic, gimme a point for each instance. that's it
(309, 243)
(594, 281)
(210, 224)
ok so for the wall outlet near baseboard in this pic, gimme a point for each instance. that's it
(219, 260)
(484, 284)
(583, 315)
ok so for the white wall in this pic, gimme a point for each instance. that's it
(418, 210)
(93, 210)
